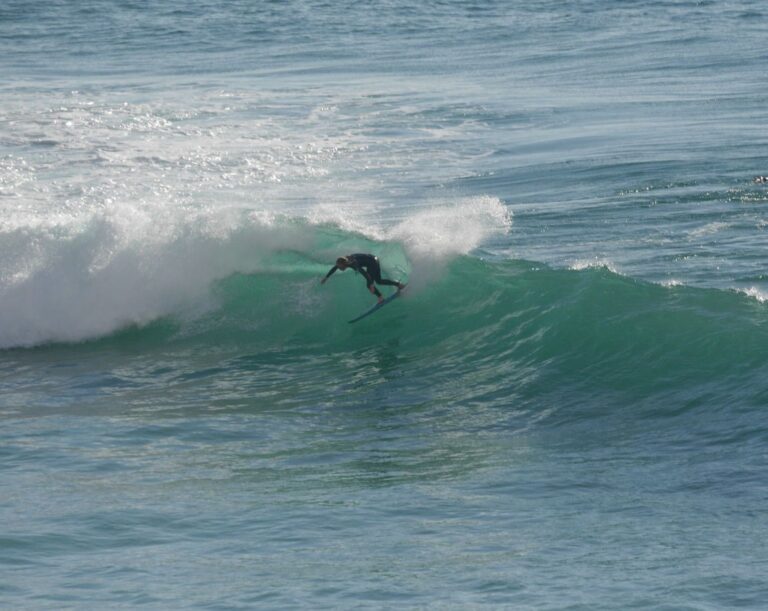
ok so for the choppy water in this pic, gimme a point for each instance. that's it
(567, 409)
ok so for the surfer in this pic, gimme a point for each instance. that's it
(369, 267)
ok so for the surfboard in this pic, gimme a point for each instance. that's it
(378, 306)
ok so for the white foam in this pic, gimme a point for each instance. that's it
(445, 230)
(84, 278)
(755, 293)
(433, 235)
(708, 229)
(594, 263)
(672, 283)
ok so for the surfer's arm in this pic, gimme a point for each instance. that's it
(328, 275)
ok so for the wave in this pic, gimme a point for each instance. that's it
(478, 328)
(507, 341)
(510, 323)
(70, 278)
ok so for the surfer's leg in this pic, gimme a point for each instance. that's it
(385, 282)
(375, 271)
(374, 290)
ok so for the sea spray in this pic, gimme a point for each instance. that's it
(434, 235)
(87, 276)
(443, 231)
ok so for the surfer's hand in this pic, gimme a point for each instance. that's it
(323, 280)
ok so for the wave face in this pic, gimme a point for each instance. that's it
(511, 332)
(472, 330)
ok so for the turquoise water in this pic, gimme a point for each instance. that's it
(567, 407)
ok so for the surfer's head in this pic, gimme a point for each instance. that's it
(342, 263)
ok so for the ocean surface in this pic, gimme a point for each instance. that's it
(568, 408)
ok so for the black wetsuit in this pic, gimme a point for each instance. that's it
(369, 267)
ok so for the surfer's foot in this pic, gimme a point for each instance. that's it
(381, 299)
(400, 286)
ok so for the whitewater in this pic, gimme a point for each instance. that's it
(566, 408)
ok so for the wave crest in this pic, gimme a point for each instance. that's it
(74, 277)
